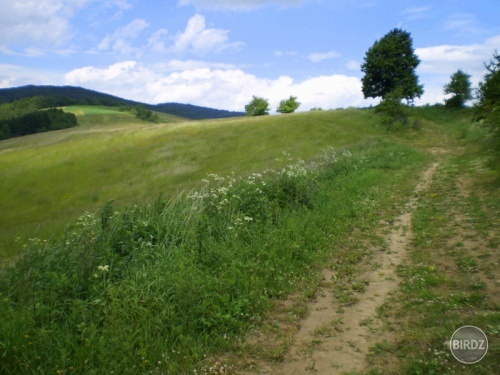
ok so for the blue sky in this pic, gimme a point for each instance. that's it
(218, 53)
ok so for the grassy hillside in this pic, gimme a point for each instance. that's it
(171, 286)
(49, 179)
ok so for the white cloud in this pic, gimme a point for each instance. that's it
(200, 40)
(446, 59)
(416, 13)
(120, 40)
(463, 24)
(181, 65)
(45, 24)
(240, 5)
(120, 5)
(285, 53)
(124, 79)
(318, 57)
(13, 76)
(353, 65)
(438, 63)
(31, 21)
(156, 42)
(222, 87)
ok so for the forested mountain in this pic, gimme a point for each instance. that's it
(68, 95)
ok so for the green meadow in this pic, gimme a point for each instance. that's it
(51, 178)
(156, 248)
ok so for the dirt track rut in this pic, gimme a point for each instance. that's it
(333, 340)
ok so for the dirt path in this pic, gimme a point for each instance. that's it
(334, 339)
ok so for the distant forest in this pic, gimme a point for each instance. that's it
(70, 95)
(33, 115)
(32, 109)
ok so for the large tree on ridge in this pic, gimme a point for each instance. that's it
(389, 65)
(460, 87)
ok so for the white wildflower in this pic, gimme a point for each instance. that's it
(103, 268)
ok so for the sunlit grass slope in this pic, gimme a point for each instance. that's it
(51, 178)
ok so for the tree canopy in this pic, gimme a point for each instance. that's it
(390, 64)
(460, 87)
(257, 107)
(487, 108)
(288, 105)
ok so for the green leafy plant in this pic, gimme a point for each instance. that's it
(289, 105)
(257, 107)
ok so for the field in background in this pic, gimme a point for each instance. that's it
(52, 178)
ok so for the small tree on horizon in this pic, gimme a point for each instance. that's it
(288, 105)
(257, 107)
(460, 87)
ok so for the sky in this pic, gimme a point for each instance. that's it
(219, 53)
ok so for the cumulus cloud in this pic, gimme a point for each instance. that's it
(318, 57)
(240, 5)
(200, 40)
(26, 25)
(446, 59)
(217, 87)
(30, 22)
(438, 63)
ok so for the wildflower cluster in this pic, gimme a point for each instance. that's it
(257, 197)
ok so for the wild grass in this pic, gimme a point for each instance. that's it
(164, 287)
(48, 180)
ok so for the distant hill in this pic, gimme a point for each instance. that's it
(67, 95)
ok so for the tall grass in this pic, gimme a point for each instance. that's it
(160, 288)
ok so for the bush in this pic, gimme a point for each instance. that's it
(257, 107)
(289, 105)
(396, 115)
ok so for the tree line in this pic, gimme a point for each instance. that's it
(28, 116)
(141, 113)
(69, 95)
(36, 122)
